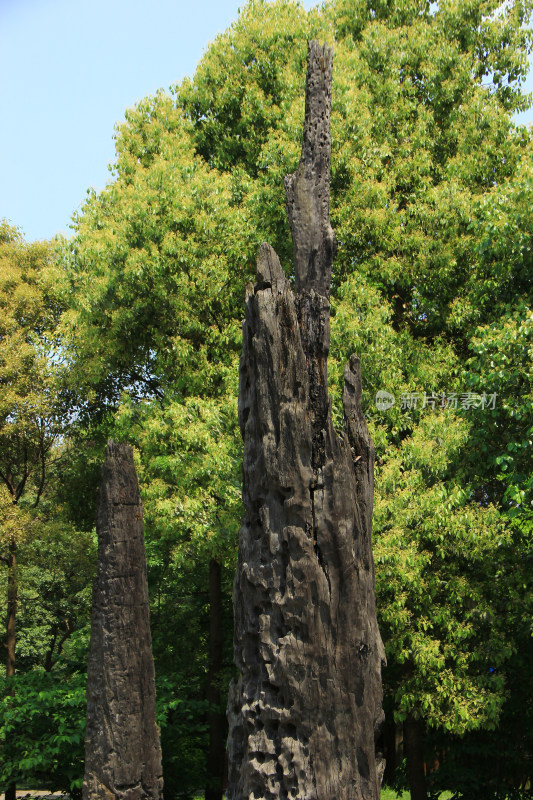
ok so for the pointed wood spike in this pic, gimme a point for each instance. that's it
(122, 749)
(307, 190)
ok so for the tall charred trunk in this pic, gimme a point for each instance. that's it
(215, 718)
(306, 711)
(122, 750)
(413, 742)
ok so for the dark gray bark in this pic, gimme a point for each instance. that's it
(122, 750)
(306, 711)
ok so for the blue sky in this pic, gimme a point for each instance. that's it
(68, 70)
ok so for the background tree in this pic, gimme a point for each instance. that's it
(28, 414)
(48, 566)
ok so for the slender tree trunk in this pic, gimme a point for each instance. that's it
(48, 661)
(216, 717)
(11, 792)
(393, 740)
(306, 712)
(12, 600)
(413, 742)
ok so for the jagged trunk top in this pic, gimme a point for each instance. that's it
(307, 190)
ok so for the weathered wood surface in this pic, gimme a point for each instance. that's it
(122, 749)
(306, 711)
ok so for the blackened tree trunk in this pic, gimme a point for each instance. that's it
(215, 718)
(122, 750)
(306, 711)
(413, 742)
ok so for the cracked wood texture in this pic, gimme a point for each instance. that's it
(306, 711)
(122, 749)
